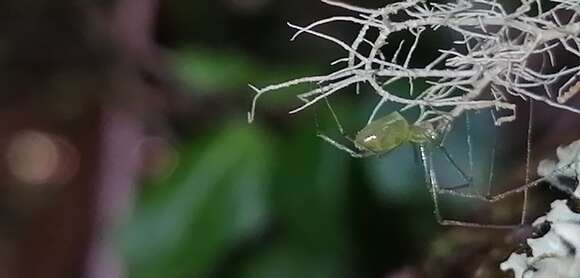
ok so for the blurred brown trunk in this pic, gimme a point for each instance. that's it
(71, 75)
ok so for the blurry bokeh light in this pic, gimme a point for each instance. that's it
(159, 157)
(36, 158)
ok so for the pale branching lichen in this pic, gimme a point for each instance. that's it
(563, 173)
(488, 64)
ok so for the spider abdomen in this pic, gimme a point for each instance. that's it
(384, 134)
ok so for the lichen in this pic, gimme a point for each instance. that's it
(555, 254)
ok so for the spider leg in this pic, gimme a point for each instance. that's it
(468, 179)
(350, 151)
(520, 189)
(528, 160)
(337, 121)
(496, 197)
(441, 146)
(342, 147)
(434, 189)
(502, 195)
(335, 118)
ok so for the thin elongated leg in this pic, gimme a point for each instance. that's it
(434, 189)
(468, 179)
(520, 189)
(491, 167)
(351, 152)
(496, 197)
(505, 194)
(342, 147)
(528, 160)
(335, 117)
(469, 141)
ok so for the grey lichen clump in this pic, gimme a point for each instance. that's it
(564, 173)
(556, 253)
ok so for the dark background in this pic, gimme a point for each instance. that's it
(125, 152)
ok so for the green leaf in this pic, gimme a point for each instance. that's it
(215, 200)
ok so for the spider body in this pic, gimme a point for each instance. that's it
(389, 132)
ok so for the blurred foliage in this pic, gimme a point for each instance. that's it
(210, 70)
(215, 198)
(220, 197)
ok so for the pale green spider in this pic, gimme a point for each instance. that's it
(384, 134)
(387, 133)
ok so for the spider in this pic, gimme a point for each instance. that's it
(388, 132)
